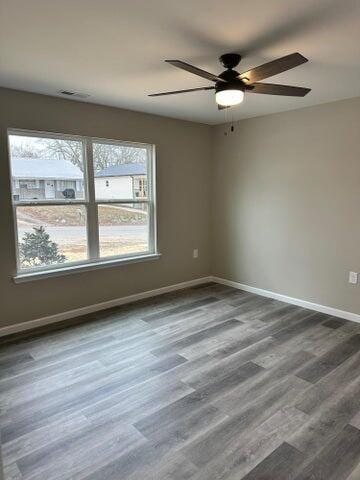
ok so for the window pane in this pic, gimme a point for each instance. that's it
(123, 229)
(46, 168)
(119, 171)
(51, 235)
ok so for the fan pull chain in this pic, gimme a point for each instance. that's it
(226, 120)
(229, 119)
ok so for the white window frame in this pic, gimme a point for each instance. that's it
(90, 203)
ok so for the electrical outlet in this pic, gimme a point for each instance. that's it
(195, 253)
(353, 277)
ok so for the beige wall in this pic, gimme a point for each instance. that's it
(286, 202)
(183, 152)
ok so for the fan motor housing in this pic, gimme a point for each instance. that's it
(230, 60)
(230, 76)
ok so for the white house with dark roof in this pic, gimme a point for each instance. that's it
(50, 179)
(45, 178)
(123, 181)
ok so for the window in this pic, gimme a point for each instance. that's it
(140, 186)
(27, 184)
(80, 201)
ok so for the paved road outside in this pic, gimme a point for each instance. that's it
(75, 234)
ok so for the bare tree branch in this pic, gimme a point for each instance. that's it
(105, 155)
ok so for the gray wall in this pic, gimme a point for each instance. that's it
(183, 153)
(286, 203)
(283, 203)
(1, 464)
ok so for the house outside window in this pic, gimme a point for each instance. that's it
(44, 178)
(127, 179)
(83, 200)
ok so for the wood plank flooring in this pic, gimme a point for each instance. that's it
(208, 383)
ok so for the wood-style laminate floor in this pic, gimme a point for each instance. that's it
(208, 383)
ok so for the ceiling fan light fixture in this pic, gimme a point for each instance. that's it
(230, 85)
(229, 97)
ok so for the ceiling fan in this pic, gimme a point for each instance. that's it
(230, 85)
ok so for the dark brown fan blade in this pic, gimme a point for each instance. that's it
(222, 107)
(274, 89)
(180, 91)
(273, 68)
(195, 70)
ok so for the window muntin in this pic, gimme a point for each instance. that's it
(85, 226)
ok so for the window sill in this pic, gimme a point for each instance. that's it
(57, 272)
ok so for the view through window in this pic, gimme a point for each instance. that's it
(78, 200)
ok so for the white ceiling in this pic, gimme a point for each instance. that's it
(113, 50)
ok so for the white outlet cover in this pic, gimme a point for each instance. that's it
(353, 277)
(195, 253)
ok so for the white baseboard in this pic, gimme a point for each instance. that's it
(77, 312)
(354, 317)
